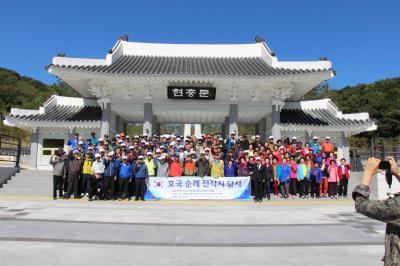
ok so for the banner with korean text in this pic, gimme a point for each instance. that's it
(198, 188)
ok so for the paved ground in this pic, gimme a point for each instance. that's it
(40, 231)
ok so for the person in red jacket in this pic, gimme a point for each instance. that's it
(344, 176)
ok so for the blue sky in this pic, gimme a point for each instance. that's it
(361, 38)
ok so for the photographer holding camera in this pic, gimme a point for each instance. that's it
(387, 211)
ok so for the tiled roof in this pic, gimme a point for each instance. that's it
(63, 113)
(316, 117)
(168, 65)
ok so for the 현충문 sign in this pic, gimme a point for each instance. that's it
(195, 93)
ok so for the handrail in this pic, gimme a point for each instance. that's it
(10, 151)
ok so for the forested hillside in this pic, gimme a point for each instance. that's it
(380, 99)
(25, 92)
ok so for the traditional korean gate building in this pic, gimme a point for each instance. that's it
(190, 84)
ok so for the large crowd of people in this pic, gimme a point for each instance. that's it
(118, 168)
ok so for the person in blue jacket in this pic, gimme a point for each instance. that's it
(111, 168)
(315, 180)
(125, 177)
(230, 169)
(283, 173)
(315, 145)
(141, 175)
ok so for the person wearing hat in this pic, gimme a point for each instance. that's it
(141, 176)
(96, 182)
(257, 142)
(231, 141)
(93, 139)
(258, 175)
(58, 174)
(270, 142)
(162, 167)
(125, 176)
(151, 165)
(217, 166)
(73, 142)
(202, 165)
(111, 167)
(74, 171)
(86, 175)
(315, 145)
(327, 146)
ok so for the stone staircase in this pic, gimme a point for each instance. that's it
(29, 183)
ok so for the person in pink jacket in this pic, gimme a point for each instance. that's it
(333, 179)
(293, 178)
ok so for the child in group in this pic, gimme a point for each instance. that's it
(333, 179)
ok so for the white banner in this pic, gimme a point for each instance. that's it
(198, 188)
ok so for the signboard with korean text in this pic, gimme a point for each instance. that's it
(195, 93)
(198, 188)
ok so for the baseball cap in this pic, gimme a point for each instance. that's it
(315, 137)
(233, 133)
(327, 137)
(124, 157)
(258, 158)
(131, 147)
(75, 152)
(97, 155)
(149, 153)
(294, 137)
(271, 137)
(140, 157)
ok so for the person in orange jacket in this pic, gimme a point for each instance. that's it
(175, 169)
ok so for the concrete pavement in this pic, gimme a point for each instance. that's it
(40, 231)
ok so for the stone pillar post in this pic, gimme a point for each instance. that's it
(343, 147)
(157, 126)
(276, 121)
(148, 119)
(187, 130)
(225, 132)
(233, 119)
(105, 116)
(197, 130)
(34, 148)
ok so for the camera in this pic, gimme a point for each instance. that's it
(385, 165)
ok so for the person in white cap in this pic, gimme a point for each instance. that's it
(162, 167)
(257, 142)
(258, 176)
(151, 165)
(125, 177)
(231, 141)
(327, 146)
(96, 178)
(271, 142)
(315, 145)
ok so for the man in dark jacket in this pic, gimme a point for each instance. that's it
(258, 175)
(269, 175)
(202, 165)
(387, 211)
(74, 172)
